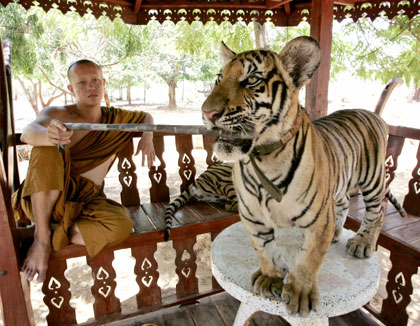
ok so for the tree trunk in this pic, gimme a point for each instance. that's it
(183, 89)
(172, 94)
(416, 95)
(41, 96)
(129, 93)
(260, 36)
(32, 96)
(144, 94)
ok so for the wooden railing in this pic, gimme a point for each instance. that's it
(148, 219)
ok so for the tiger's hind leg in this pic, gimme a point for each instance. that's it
(363, 244)
(342, 209)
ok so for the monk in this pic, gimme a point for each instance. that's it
(65, 189)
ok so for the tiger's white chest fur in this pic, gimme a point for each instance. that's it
(260, 205)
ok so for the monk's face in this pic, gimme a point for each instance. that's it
(86, 84)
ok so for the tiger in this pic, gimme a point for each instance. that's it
(215, 185)
(295, 172)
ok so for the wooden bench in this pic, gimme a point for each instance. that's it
(192, 220)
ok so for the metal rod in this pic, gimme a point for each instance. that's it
(141, 127)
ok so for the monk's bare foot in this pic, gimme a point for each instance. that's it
(36, 261)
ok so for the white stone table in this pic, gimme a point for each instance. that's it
(345, 283)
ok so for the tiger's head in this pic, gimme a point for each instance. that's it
(257, 92)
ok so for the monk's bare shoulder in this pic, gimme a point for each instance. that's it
(63, 113)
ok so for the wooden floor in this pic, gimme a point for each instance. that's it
(220, 310)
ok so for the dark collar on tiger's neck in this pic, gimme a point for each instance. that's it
(268, 148)
(271, 188)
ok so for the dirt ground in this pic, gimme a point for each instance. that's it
(355, 94)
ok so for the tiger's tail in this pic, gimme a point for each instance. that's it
(173, 206)
(395, 203)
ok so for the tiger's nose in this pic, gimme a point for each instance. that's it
(212, 115)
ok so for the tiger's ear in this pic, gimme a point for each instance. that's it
(301, 58)
(227, 53)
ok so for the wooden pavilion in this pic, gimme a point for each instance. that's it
(319, 13)
(399, 236)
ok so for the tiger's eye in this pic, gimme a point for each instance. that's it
(252, 81)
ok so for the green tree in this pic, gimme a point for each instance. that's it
(51, 41)
(201, 45)
(384, 49)
(16, 24)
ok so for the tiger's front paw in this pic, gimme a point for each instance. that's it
(360, 247)
(269, 287)
(300, 295)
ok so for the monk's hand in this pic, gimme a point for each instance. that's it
(147, 149)
(58, 134)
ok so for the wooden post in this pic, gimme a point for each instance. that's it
(104, 284)
(184, 147)
(186, 267)
(411, 200)
(316, 101)
(57, 295)
(399, 288)
(159, 192)
(395, 145)
(13, 292)
(146, 270)
(128, 178)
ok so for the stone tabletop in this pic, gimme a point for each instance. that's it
(346, 283)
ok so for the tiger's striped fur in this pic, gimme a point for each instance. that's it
(213, 185)
(295, 172)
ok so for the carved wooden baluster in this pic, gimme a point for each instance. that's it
(147, 276)
(186, 267)
(395, 145)
(412, 199)
(399, 288)
(208, 142)
(159, 191)
(57, 295)
(128, 178)
(103, 289)
(186, 161)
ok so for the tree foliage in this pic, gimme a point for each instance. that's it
(384, 49)
(16, 24)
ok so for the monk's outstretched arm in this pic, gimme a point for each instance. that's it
(46, 129)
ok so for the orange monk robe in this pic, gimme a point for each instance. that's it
(101, 221)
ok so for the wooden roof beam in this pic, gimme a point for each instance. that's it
(124, 3)
(204, 5)
(137, 6)
(345, 2)
(274, 4)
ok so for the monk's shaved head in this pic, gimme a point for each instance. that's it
(80, 62)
